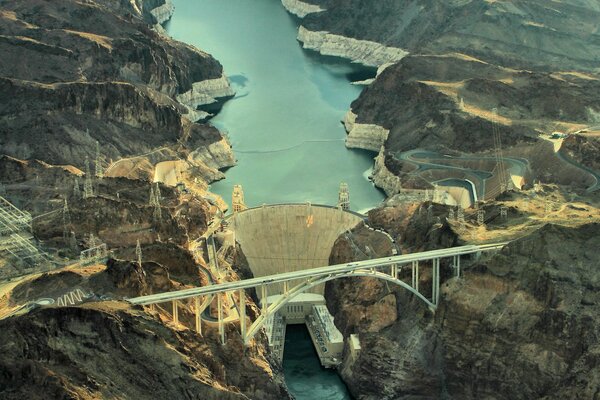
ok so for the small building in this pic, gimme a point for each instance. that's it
(328, 340)
(354, 346)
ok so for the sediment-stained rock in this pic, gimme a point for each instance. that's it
(361, 51)
(300, 8)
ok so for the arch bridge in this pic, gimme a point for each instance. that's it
(386, 268)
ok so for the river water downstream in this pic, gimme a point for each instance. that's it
(284, 123)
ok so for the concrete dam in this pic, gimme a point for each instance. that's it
(290, 237)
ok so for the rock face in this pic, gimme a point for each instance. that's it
(525, 33)
(362, 51)
(299, 8)
(96, 71)
(519, 325)
(535, 66)
(95, 351)
(364, 136)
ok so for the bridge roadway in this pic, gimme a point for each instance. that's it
(314, 272)
(310, 278)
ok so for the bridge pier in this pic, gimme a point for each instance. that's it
(220, 319)
(456, 263)
(264, 300)
(198, 317)
(242, 295)
(394, 271)
(175, 312)
(435, 283)
(415, 275)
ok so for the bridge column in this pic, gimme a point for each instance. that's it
(198, 317)
(286, 288)
(220, 318)
(263, 298)
(175, 312)
(435, 282)
(243, 314)
(394, 271)
(415, 275)
(456, 263)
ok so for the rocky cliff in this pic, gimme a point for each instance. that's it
(524, 33)
(109, 350)
(77, 73)
(521, 67)
(518, 325)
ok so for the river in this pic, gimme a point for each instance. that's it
(284, 125)
(284, 122)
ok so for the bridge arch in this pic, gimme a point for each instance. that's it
(312, 282)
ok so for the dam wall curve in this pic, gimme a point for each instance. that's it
(290, 237)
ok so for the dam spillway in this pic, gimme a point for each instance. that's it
(290, 237)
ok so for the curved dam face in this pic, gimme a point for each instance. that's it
(290, 237)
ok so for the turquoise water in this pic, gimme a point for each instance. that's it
(284, 123)
(305, 377)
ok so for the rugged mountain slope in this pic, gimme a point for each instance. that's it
(110, 351)
(533, 62)
(520, 325)
(523, 33)
(74, 73)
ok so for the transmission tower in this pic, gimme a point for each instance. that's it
(152, 199)
(451, 213)
(157, 193)
(504, 212)
(76, 189)
(99, 169)
(88, 189)
(500, 166)
(138, 252)
(481, 216)
(460, 214)
(344, 197)
(157, 213)
(66, 221)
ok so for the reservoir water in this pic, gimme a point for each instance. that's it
(284, 122)
(284, 125)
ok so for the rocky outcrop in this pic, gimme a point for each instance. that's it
(519, 325)
(361, 51)
(217, 155)
(96, 71)
(164, 12)
(206, 92)
(383, 178)
(364, 136)
(526, 34)
(111, 351)
(300, 8)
